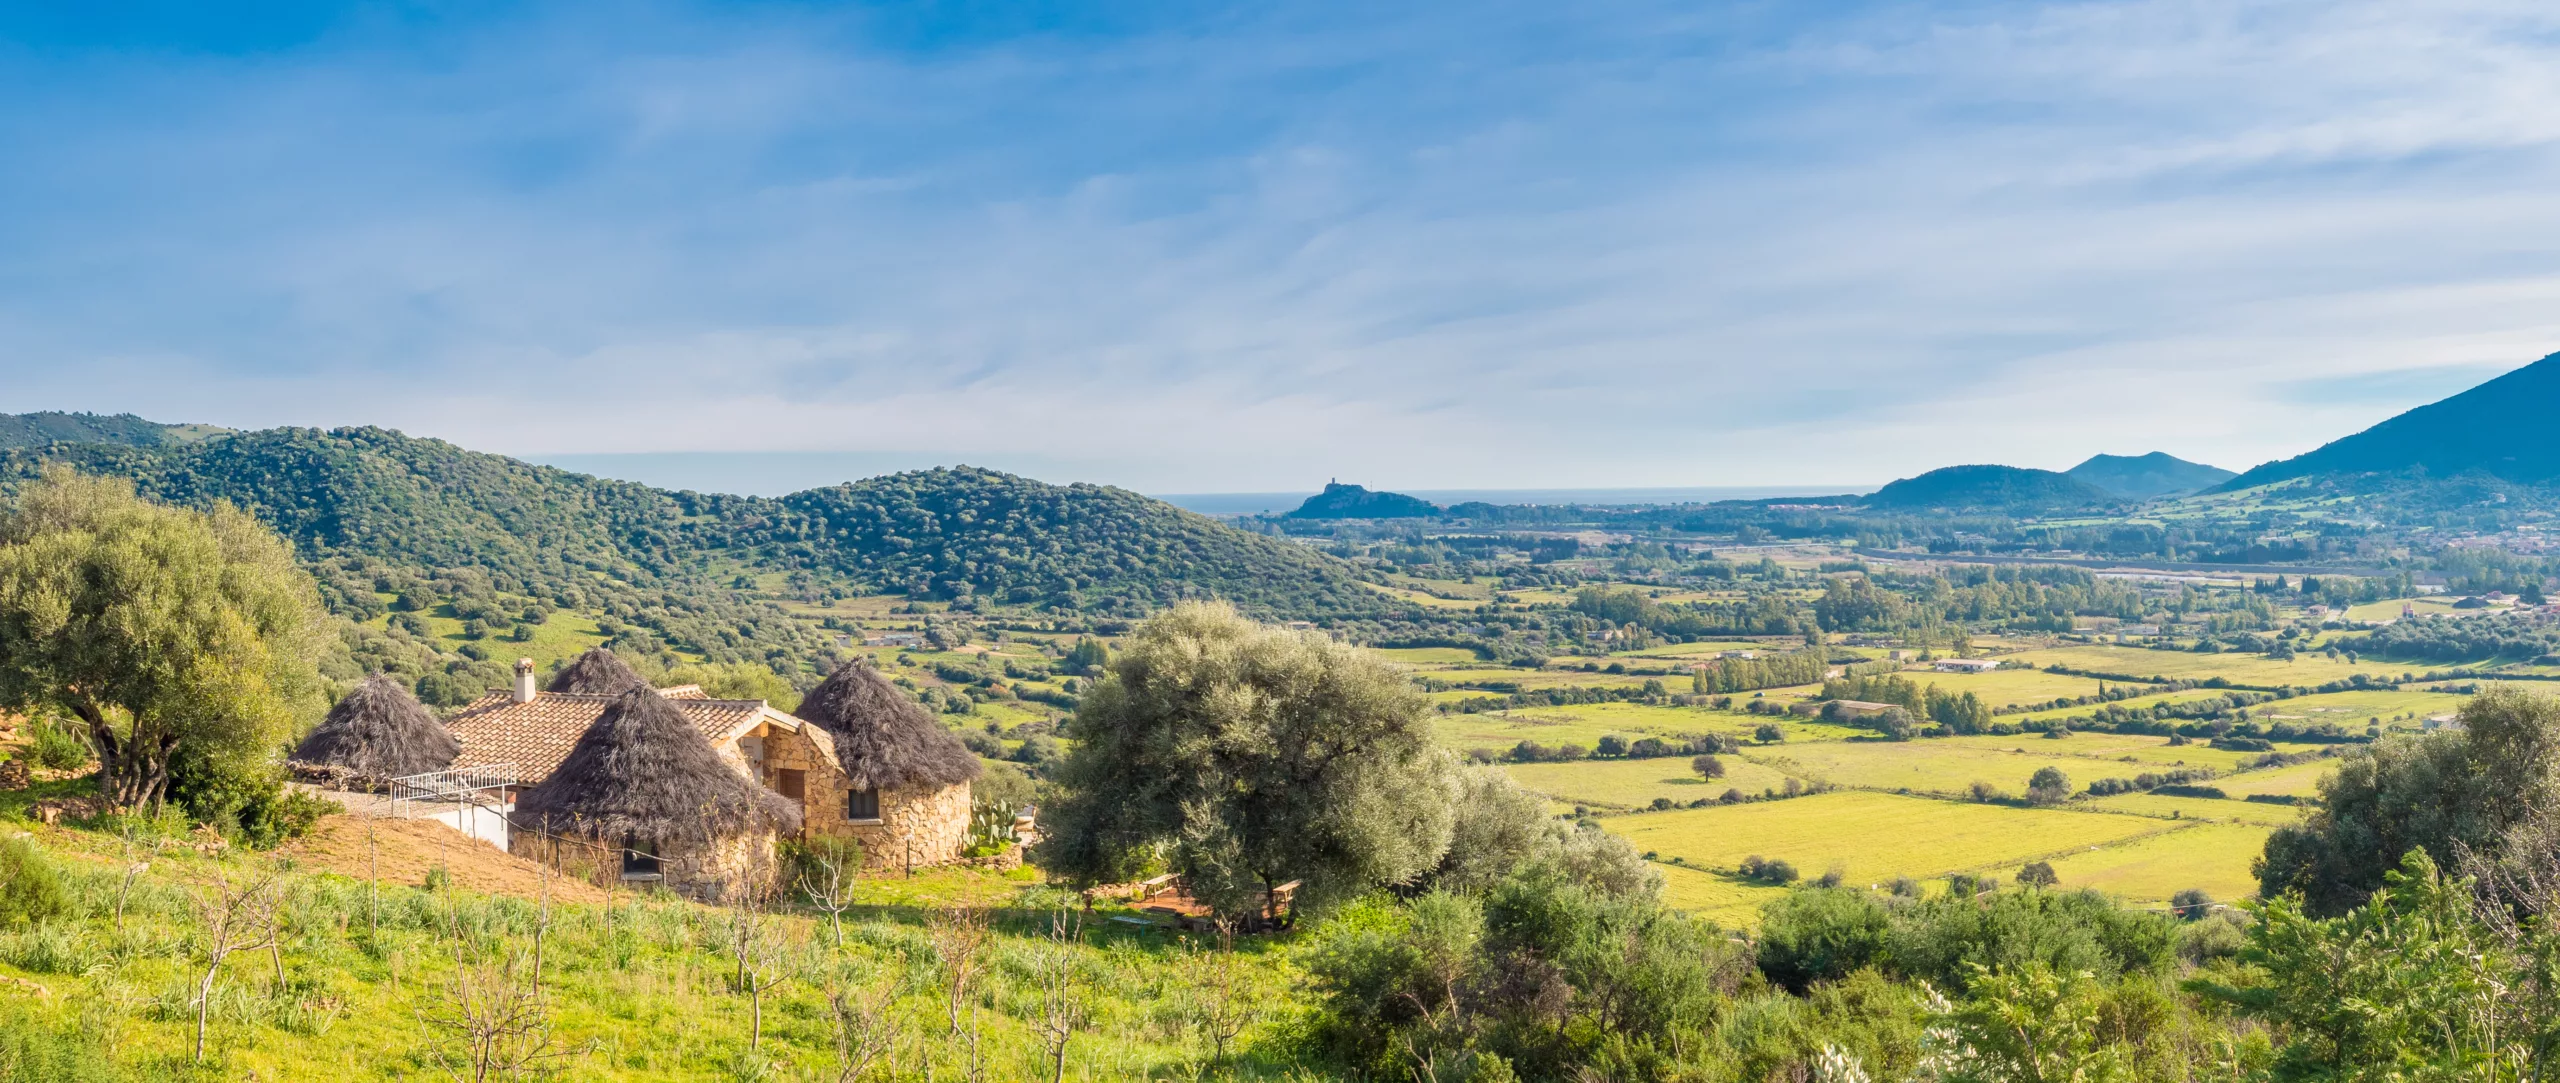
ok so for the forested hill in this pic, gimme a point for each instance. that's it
(1999, 488)
(428, 505)
(2496, 428)
(2141, 477)
(1340, 501)
(56, 427)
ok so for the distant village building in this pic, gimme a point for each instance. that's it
(1966, 665)
(893, 639)
(1739, 654)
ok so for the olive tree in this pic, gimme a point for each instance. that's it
(1245, 757)
(164, 631)
(2449, 792)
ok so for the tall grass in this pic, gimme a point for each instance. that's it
(641, 988)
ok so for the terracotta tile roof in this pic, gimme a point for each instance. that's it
(536, 735)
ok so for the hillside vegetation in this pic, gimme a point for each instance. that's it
(57, 427)
(379, 513)
(2004, 488)
(2141, 477)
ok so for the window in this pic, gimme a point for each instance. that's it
(639, 860)
(862, 805)
(792, 784)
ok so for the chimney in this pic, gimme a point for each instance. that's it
(524, 680)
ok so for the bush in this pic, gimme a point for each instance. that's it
(1821, 934)
(31, 885)
(56, 746)
(1771, 871)
(1769, 734)
(2191, 905)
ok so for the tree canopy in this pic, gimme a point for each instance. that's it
(1246, 757)
(171, 634)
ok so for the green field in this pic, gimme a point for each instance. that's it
(1930, 766)
(2299, 780)
(2138, 701)
(1631, 784)
(2354, 709)
(2005, 687)
(2214, 857)
(2199, 808)
(1726, 900)
(2146, 753)
(2250, 669)
(1500, 731)
(1873, 836)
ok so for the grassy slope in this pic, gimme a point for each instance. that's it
(645, 993)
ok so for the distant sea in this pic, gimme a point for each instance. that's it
(1261, 503)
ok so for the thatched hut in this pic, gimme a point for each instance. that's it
(904, 787)
(598, 672)
(379, 732)
(645, 790)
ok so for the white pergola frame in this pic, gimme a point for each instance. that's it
(477, 787)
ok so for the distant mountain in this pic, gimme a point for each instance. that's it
(1989, 488)
(56, 427)
(2497, 428)
(1339, 501)
(2141, 477)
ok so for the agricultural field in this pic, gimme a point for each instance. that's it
(2146, 753)
(2150, 700)
(1729, 901)
(2005, 687)
(2434, 605)
(2354, 709)
(2299, 780)
(2148, 870)
(1634, 784)
(1874, 837)
(2248, 669)
(1930, 766)
(2199, 808)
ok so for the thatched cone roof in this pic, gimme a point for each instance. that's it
(377, 733)
(643, 772)
(596, 673)
(886, 740)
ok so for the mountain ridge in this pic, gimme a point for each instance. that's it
(1988, 486)
(2452, 435)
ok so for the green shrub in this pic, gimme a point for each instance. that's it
(31, 886)
(56, 747)
(1821, 934)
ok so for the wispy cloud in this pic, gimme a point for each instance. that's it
(1439, 245)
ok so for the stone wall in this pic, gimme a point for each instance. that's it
(722, 871)
(917, 828)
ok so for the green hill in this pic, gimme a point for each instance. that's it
(380, 513)
(2494, 428)
(56, 427)
(1340, 501)
(2002, 488)
(2142, 477)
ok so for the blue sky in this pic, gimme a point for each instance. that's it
(1184, 247)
